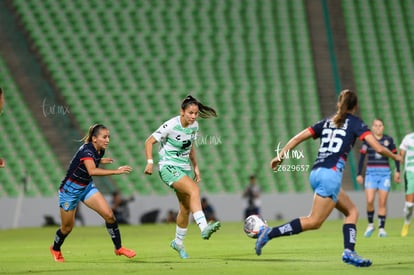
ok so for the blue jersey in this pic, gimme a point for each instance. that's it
(337, 142)
(77, 172)
(375, 159)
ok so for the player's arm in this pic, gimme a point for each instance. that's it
(292, 143)
(106, 160)
(372, 141)
(96, 171)
(193, 160)
(148, 153)
(360, 178)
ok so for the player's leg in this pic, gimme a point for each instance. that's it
(67, 218)
(181, 224)
(371, 186)
(382, 211)
(370, 197)
(348, 208)
(321, 209)
(186, 186)
(409, 201)
(68, 201)
(96, 201)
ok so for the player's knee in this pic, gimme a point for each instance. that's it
(66, 228)
(109, 217)
(316, 224)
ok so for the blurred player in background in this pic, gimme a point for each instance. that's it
(337, 136)
(177, 156)
(407, 153)
(78, 186)
(252, 194)
(377, 177)
(2, 161)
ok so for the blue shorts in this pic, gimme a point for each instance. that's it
(71, 193)
(326, 182)
(378, 178)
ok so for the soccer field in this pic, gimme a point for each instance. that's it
(89, 250)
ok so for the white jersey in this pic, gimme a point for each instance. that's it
(176, 142)
(408, 146)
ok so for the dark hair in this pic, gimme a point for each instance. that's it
(379, 119)
(1, 91)
(347, 101)
(93, 132)
(205, 111)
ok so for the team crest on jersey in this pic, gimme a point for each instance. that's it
(386, 143)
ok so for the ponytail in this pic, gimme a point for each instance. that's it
(205, 111)
(347, 101)
(92, 132)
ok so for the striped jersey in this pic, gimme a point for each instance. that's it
(337, 142)
(175, 142)
(375, 159)
(408, 146)
(77, 171)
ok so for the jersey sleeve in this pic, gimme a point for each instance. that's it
(86, 154)
(316, 129)
(362, 130)
(404, 145)
(162, 132)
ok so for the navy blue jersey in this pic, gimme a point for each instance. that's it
(337, 142)
(375, 159)
(77, 171)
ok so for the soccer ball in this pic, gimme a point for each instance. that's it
(252, 225)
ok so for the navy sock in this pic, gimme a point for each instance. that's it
(59, 239)
(370, 215)
(113, 231)
(381, 219)
(287, 229)
(349, 232)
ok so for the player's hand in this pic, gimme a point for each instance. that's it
(397, 177)
(275, 162)
(197, 176)
(148, 169)
(360, 179)
(124, 169)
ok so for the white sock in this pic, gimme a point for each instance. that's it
(180, 235)
(408, 211)
(200, 219)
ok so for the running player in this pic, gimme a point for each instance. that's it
(177, 155)
(78, 186)
(407, 153)
(337, 135)
(377, 177)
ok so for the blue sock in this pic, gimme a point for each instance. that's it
(349, 232)
(287, 229)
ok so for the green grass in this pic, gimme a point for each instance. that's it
(88, 250)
